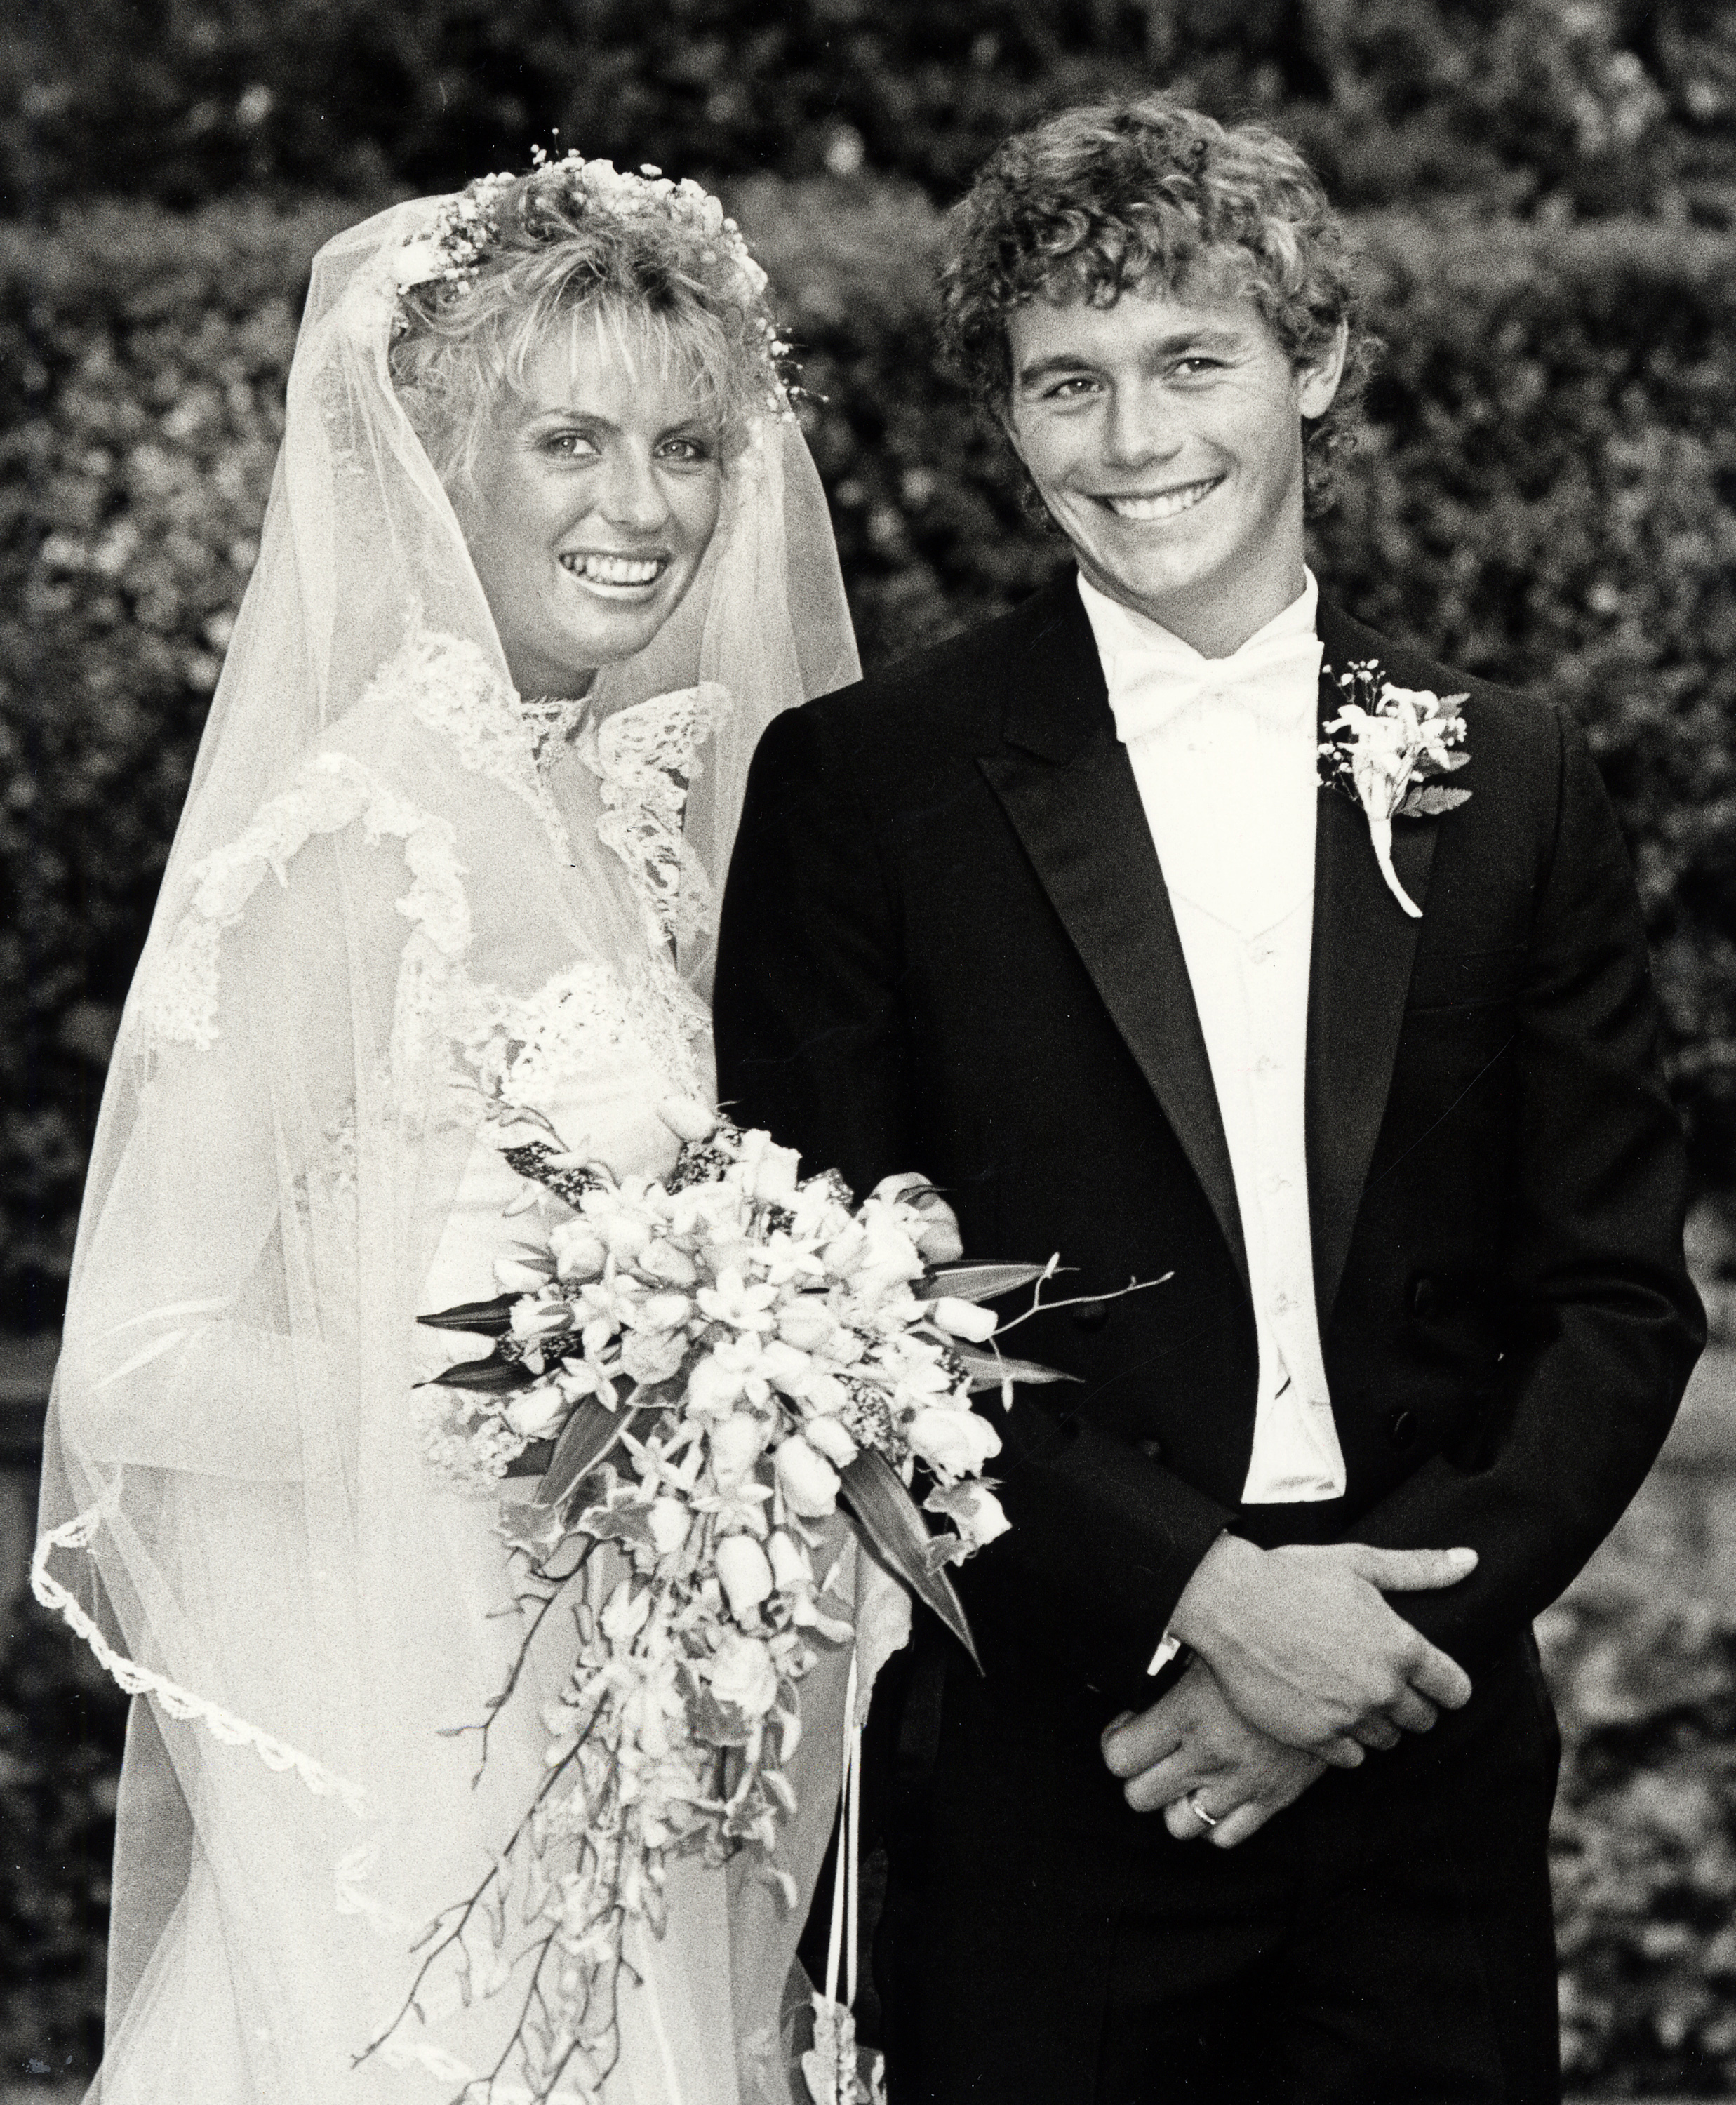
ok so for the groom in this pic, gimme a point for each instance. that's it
(1251, 1801)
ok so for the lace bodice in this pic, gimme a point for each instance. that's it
(644, 759)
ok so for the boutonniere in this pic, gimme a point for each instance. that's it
(1382, 748)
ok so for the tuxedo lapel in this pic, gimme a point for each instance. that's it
(1364, 946)
(1065, 784)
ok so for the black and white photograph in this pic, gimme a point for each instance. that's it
(868, 1005)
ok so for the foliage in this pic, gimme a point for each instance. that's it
(1546, 496)
(61, 1723)
(1601, 106)
(1643, 1845)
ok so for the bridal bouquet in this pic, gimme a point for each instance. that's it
(703, 1369)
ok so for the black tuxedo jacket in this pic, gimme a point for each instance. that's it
(946, 946)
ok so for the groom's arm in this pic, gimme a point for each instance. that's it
(1594, 1256)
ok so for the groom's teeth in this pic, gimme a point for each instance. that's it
(614, 569)
(1165, 506)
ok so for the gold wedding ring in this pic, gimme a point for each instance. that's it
(1199, 1812)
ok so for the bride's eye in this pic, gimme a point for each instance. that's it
(571, 445)
(685, 449)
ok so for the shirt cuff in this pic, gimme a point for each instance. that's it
(1164, 1653)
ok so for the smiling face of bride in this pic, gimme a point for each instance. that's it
(590, 497)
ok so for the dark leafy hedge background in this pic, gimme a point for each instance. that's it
(1547, 494)
(1589, 106)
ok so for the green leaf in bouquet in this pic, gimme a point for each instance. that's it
(490, 1318)
(990, 1369)
(532, 1461)
(589, 1435)
(493, 1376)
(892, 1525)
(984, 1282)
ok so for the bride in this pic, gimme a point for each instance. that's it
(545, 551)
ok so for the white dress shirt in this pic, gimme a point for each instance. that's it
(1224, 751)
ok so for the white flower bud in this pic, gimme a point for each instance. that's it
(625, 1614)
(626, 1235)
(744, 1573)
(663, 1261)
(964, 1319)
(737, 1443)
(669, 1521)
(578, 1250)
(742, 1672)
(806, 1478)
(540, 1319)
(831, 1437)
(790, 1567)
(512, 1276)
(665, 1312)
(687, 1118)
(539, 1414)
(953, 1442)
(807, 1325)
(825, 1393)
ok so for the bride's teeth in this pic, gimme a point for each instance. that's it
(613, 570)
(1164, 506)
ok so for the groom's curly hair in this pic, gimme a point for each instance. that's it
(1111, 196)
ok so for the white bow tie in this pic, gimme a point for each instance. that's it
(1275, 678)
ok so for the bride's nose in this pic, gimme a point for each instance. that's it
(631, 497)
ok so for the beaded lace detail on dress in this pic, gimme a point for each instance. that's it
(646, 759)
(448, 684)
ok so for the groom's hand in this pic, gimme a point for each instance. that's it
(1194, 1740)
(1308, 1651)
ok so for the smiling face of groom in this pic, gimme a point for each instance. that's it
(1164, 435)
(1161, 313)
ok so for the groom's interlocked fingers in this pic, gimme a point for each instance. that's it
(1307, 1649)
(1196, 1758)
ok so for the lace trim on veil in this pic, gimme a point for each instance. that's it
(180, 1000)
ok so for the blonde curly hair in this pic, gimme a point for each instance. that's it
(515, 262)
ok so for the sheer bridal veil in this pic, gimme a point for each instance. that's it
(236, 1504)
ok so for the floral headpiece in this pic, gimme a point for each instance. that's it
(453, 250)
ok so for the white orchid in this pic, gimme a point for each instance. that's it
(1381, 747)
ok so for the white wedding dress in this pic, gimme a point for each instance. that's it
(407, 917)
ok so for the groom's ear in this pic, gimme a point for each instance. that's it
(1318, 382)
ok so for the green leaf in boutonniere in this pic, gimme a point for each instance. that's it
(1381, 749)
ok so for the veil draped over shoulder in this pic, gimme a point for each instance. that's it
(379, 877)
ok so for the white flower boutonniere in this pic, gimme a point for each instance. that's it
(1380, 749)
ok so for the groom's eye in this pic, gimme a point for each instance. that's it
(1071, 389)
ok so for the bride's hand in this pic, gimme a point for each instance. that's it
(1192, 1741)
